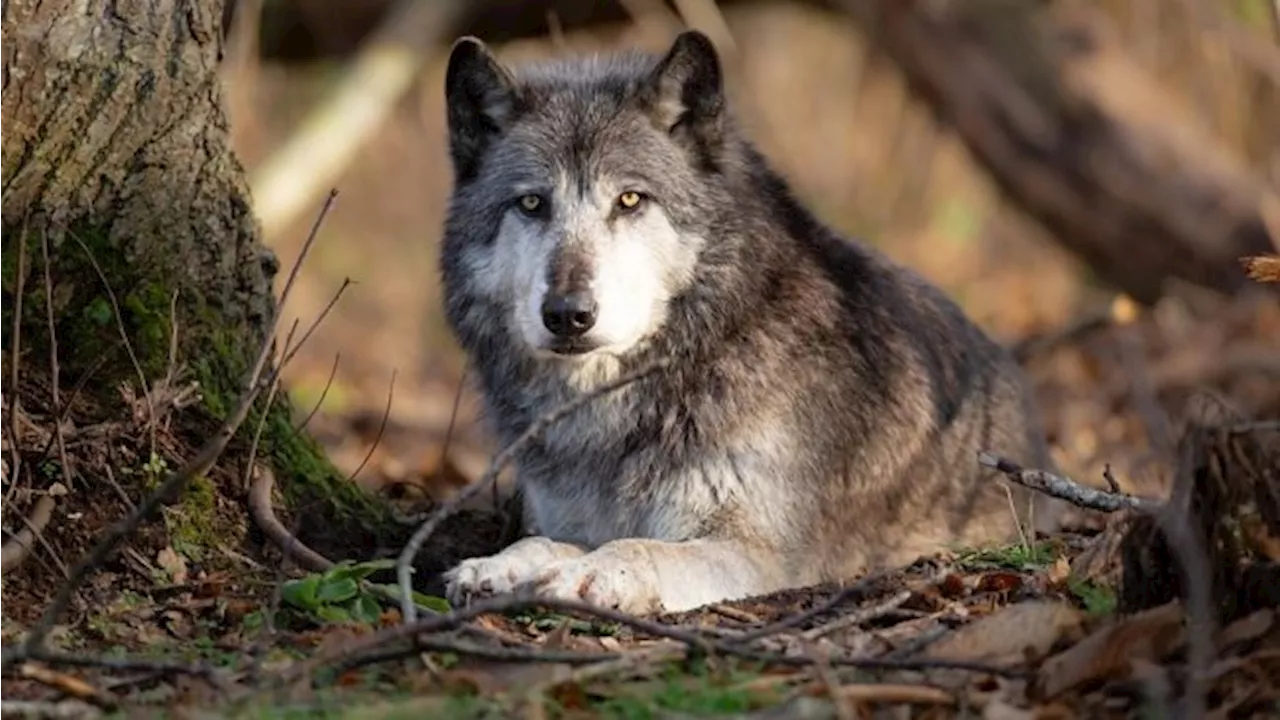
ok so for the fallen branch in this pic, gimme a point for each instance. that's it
(1065, 488)
(264, 517)
(858, 617)
(404, 565)
(18, 549)
(334, 132)
(70, 685)
(376, 643)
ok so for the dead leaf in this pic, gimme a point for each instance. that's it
(1263, 268)
(999, 582)
(1017, 632)
(1059, 571)
(1249, 627)
(173, 564)
(1109, 652)
(951, 586)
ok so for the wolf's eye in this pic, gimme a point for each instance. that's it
(630, 200)
(530, 204)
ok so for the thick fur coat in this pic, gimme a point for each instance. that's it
(823, 407)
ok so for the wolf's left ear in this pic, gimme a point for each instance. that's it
(481, 99)
(685, 93)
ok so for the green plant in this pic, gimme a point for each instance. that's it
(342, 594)
(1098, 600)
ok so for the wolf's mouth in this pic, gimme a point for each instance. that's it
(571, 346)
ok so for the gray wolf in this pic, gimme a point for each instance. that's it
(823, 409)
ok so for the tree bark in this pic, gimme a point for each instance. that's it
(1080, 138)
(115, 136)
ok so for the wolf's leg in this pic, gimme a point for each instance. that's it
(643, 576)
(500, 573)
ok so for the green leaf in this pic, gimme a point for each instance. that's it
(430, 602)
(333, 614)
(337, 590)
(302, 593)
(365, 609)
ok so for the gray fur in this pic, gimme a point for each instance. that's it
(824, 408)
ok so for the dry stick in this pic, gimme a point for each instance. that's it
(264, 517)
(266, 412)
(346, 283)
(1064, 488)
(333, 372)
(19, 547)
(859, 616)
(124, 334)
(53, 363)
(382, 428)
(15, 362)
(404, 566)
(375, 642)
(857, 590)
(97, 364)
(176, 481)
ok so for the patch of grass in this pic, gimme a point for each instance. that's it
(685, 688)
(1017, 556)
(1098, 600)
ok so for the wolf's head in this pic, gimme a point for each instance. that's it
(581, 199)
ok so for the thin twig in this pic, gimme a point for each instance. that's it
(691, 637)
(15, 362)
(382, 428)
(70, 685)
(177, 480)
(124, 334)
(404, 566)
(858, 590)
(859, 616)
(265, 416)
(333, 372)
(346, 283)
(1065, 488)
(53, 364)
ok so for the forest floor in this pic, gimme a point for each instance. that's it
(200, 614)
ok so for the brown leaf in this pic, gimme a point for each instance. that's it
(1247, 628)
(174, 564)
(1263, 268)
(1110, 651)
(1012, 634)
(1059, 571)
(951, 586)
(1000, 582)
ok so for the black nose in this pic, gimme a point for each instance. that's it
(569, 315)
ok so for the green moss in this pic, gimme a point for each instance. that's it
(192, 523)
(217, 351)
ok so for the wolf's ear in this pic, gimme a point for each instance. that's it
(685, 92)
(481, 100)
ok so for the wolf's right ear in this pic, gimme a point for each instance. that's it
(480, 97)
(685, 92)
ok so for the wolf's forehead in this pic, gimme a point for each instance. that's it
(572, 134)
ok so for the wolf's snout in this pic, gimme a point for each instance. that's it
(569, 315)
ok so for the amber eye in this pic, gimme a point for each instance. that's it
(530, 203)
(629, 200)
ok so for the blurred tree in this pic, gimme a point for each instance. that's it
(1081, 139)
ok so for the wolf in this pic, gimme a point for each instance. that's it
(820, 409)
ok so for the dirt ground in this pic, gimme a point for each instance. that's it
(183, 625)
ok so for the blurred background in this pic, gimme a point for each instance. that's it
(348, 94)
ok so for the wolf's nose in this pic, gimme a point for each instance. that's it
(569, 315)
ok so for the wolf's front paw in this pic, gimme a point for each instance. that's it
(602, 579)
(500, 574)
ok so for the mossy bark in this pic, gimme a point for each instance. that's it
(117, 153)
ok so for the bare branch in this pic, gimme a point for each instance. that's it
(1065, 488)
(18, 548)
(382, 428)
(404, 566)
(15, 363)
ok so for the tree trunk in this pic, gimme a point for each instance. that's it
(116, 152)
(1080, 138)
(115, 135)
